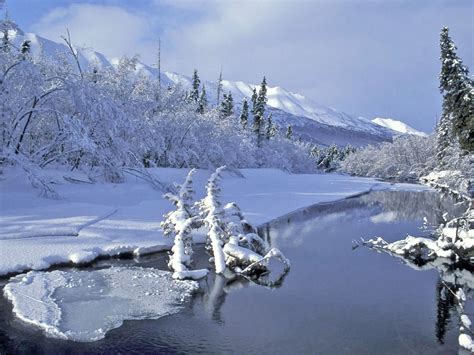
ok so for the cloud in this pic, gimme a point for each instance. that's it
(365, 57)
(369, 58)
(111, 30)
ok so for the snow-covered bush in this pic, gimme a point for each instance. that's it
(405, 159)
(109, 119)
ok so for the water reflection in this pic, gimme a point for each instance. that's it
(446, 301)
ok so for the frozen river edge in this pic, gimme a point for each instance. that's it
(92, 221)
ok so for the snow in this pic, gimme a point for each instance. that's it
(293, 104)
(427, 249)
(84, 305)
(466, 342)
(466, 322)
(397, 126)
(90, 220)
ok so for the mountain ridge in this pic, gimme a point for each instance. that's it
(310, 120)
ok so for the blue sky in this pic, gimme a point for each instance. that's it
(369, 58)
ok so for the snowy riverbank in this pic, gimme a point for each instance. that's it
(90, 220)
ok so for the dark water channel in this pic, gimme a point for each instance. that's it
(335, 300)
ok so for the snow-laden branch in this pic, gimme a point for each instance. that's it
(231, 240)
(179, 223)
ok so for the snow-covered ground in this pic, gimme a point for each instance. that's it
(108, 219)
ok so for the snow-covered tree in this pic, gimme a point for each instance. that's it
(196, 82)
(289, 132)
(259, 110)
(219, 88)
(457, 120)
(254, 101)
(179, 224)
(244, 115)
(109, 121)
(227, 105)
(405, 159)
(271, 128)
(202, 104)
(232, 241)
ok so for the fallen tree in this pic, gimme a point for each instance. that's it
(232, 241)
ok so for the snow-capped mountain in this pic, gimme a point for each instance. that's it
(398, 126)
(310, 120)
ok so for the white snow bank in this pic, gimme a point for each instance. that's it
(108, 219)
(85, 305)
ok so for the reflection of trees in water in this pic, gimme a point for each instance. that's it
(445, 301)
(452, 278)
(216, 292)
(411, 205)
(216, 287)
(403, 205)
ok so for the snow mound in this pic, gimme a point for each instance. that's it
(397, 126)
(84, 305)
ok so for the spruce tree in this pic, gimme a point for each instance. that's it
(227, 105)
(271, 128)
(219, 88)
(25, 48)
(254, 101)
(457, 119)
(202, 104)
(262, 97)
(259, 110)
(289, 132)
(5, 41)
(244, 115)
(194, 95)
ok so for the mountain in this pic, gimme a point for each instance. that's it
(310, 120)
(397, 126)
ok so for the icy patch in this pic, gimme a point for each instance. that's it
(84, 305)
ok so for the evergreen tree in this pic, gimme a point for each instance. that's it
(5, 41)
(227, 105)
(230, 104)
(259, 110)
(254, 101)
(202, 104)
(158, 64)
(194, 95)
(457, 119)
(219, 88)
(244, 115)
(271, 128)
(25, 48)
(289, 132)
(262, 98)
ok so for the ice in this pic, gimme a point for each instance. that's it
(84, 305)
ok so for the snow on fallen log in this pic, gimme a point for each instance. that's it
(265, 263)
(231, 240)
(243, 255)
(412, 247)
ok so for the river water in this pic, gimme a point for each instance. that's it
(336, 299)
